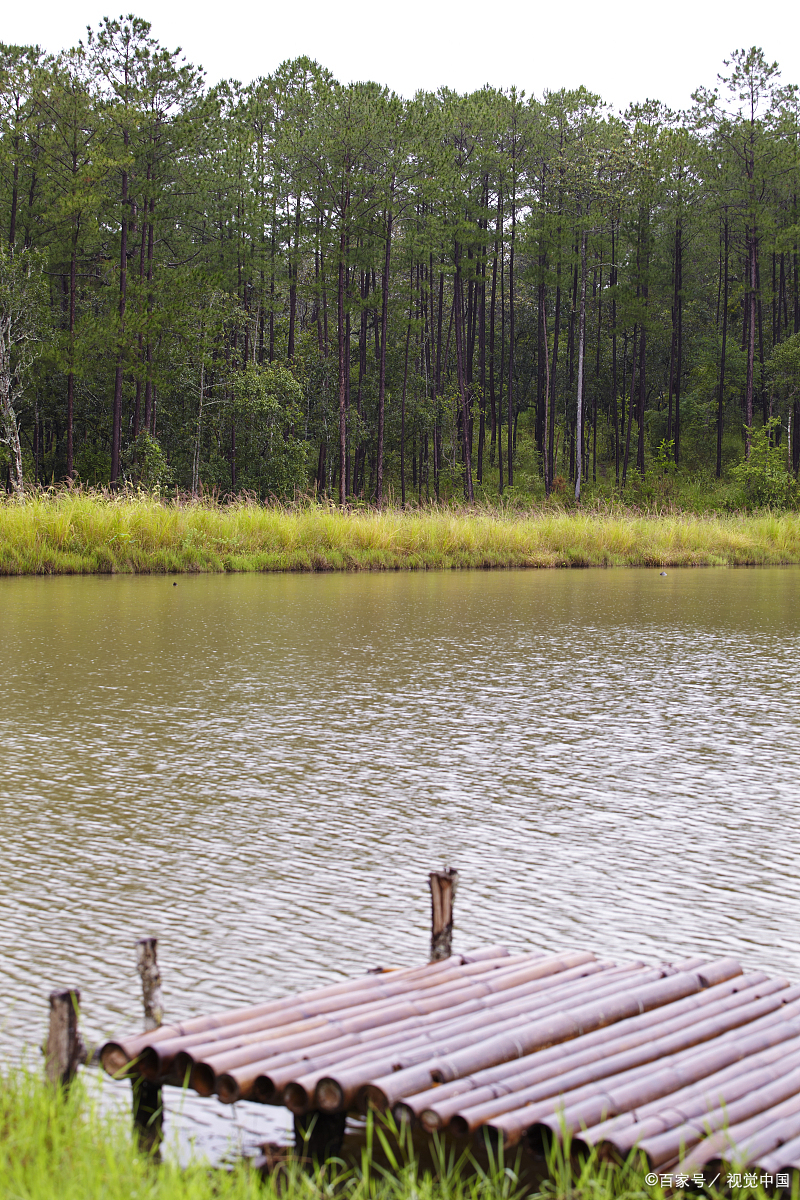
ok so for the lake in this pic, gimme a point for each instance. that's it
(262, 769)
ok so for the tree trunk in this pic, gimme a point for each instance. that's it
(293, 285)
(629, 422)
(116, 433)
(674, 339)
(469, 494)
(721, 396)
(545, 356)
(615, 397)
(342, 368)
(403, 401)
(553, 369)
(642, 382)
(492, 313)
(752, 261)
(9, 417)
(581, 347)
(502, 369)
(12, 228)
(73, 287)
(482, 352)
(679, 353)
(384, 333)
(511, 332)
(149, 420)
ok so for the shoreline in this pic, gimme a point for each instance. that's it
(79, 533)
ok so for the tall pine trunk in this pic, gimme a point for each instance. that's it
(343, 365)
(511, 335)
(116, 432)
(752, 315)
(462, 380)
(581, 349)
(73, 287)
(384, 335)
(721, 397)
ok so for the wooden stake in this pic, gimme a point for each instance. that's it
(443, 886)
(318, 1136)
(65, 1047)
(148, 1106)
(150, 975)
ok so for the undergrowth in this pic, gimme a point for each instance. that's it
(71, 531)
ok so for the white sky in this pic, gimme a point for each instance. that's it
(624, 49)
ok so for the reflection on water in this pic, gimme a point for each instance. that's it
(261, 770)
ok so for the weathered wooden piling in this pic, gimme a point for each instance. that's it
(148, 1106)
(64, 1049)
(443, 886)
(147, 965)
(318, 1136)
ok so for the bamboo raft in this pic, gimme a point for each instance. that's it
(694, 1064)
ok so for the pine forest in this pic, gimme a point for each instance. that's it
(297, 286)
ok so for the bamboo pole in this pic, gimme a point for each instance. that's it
(589, 1106)
(624, 1066)
(267, 1038)
(245, 1072)
(363, 1011)
(443, 886)
(116, 1056)
(383, 1089)
(645, 1041)
(596, 1042)
(617, 1137)
(64, 1049)
(780, 1083)
(784, 1159)
(421, 1017)
(706, 1094)
(745, 1140)
(148, 1099)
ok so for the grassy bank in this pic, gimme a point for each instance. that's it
(56, 1145)
(53, 1145)
(79, 533)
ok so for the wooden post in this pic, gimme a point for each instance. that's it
(64, 1049)
(148, 1107)
(318, 1136)
(443, 886)
(150, 976)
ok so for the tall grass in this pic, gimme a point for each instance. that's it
(56, 1146)
(59, 1145)
(74, 532)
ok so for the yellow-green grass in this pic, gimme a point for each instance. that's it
(79, 532)
(58, 1146)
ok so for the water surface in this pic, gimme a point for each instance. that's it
(260, 770)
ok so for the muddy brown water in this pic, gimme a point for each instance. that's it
(261, 770)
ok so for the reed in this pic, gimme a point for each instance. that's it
(79, 532)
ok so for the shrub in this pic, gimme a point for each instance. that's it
(763, 478)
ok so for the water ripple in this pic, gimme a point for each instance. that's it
(261, 770)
